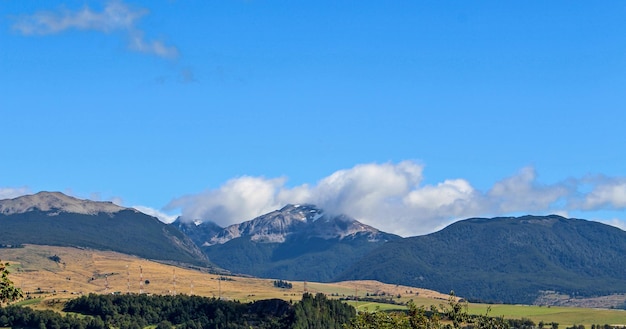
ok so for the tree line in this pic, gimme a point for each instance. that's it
(282, 284)
(136, 311)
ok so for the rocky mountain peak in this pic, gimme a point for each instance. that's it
(304, 212)
(54, 203)
(304, 221)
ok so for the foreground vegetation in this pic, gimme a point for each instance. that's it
(139, 311)
(564, 316)
(8, 292)
(453, 315)
(457, 314)
(134, 311)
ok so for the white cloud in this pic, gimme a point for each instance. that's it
(13, 192)
(363, 189)
(388, 196)
(138, 43)
(521, 192)
(162, 216)
(450, 193)
(115, 16)
(238, 200)
(608, 193)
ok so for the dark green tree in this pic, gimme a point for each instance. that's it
(164, 325)
(319, 312)
(8, 292)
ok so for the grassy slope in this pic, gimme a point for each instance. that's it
(85, 271)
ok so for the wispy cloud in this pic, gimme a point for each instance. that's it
(392, 197)
(115, 16)
(13, 192)
(162, 216)
(237, 200)
(522, 192)
(607, 193)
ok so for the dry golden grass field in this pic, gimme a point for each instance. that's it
(82, 271)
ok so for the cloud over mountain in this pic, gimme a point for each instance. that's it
(394, 198)
(522, 192)
(239, 199)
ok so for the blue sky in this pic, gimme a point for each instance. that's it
(407, 115)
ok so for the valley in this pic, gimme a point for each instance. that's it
(51, 275)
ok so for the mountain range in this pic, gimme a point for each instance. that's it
(503, 259)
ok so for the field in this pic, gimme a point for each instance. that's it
(51, 275)
(565, 316)
(80, 271)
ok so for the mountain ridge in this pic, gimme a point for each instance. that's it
(55, 202)
(53, 218)
(277, 225)
(505, 259)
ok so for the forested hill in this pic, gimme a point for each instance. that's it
(506, 259)
(52, 218)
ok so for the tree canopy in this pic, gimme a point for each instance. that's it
(8, 292)
(454, 315)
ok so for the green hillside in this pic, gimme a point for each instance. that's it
(505, 259)
(127, 231)
(298, 258)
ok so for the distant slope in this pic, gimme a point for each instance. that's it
(505, 259)
(57, 219)
(198, 232)
(298, 258)
(297, 242)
